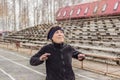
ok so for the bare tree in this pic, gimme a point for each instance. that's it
(14, 12)
(4, 13)
(41, 11)
(27, 13)
(20, 4)
(1, 8)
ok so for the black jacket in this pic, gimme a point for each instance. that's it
(58, 64)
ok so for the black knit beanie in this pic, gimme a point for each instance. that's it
(52, 31)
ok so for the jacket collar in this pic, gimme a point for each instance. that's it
(58, 45)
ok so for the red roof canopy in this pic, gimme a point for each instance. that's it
(99, 8)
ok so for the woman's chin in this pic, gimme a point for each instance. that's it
(60, 42)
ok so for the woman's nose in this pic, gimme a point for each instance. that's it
(60, 34)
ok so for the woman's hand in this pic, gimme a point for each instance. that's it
(81, 57)
(44, 56)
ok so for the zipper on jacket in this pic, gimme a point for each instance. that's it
(63, 62)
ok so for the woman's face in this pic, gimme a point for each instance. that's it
(58, 37)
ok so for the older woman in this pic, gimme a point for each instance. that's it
(58, 56)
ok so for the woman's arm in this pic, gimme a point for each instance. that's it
(77, 55)
(35, 59)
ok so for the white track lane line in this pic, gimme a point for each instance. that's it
(7, 74)
(16, 54)
(19, 55)
(42, 74)
(84, 76)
